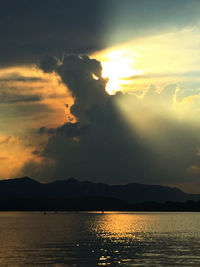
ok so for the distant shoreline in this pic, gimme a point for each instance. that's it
(93, 204)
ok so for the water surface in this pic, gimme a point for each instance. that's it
(95, 239)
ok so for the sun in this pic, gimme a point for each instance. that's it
(118, 67)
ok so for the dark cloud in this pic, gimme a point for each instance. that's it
(17, 77)
(78, 73)
(34, 111)
(36, 152)
(48, 64)
(12, 91)
(83, 76)
(102, 146)
(31, 29)
(7, 98)
(99, 144)
(45, 130)
(68, 129)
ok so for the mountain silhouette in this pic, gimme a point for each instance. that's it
(71, 188)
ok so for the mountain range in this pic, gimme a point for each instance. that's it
(132, 193)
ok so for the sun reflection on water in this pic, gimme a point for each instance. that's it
(94, 239)
(116, 226)
(118, 232)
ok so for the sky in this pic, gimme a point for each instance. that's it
(105, 91)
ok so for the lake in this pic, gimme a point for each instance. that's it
(95, 239)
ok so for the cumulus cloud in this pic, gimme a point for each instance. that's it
(48, 64)
(103, 145)
(83, 77)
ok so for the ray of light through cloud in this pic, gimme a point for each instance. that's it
(144, 84)
(163, 86)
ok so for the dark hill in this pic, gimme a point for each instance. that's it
(72, 188)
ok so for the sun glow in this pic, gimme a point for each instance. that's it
(117, 66)
(152, 60)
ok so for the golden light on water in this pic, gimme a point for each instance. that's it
(117, 225)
